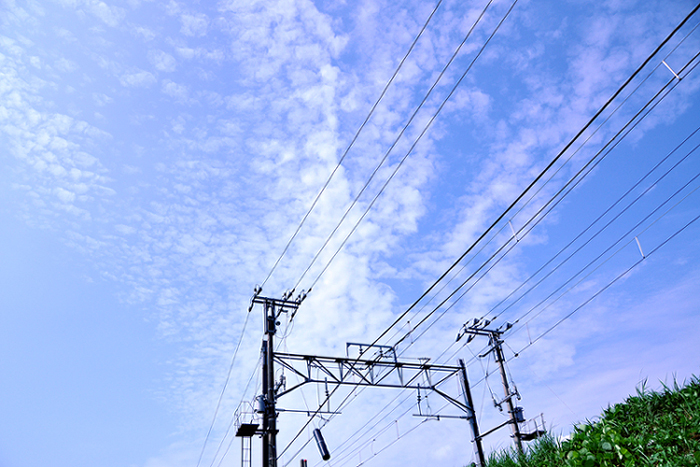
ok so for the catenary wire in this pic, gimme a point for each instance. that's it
(352, 142)
(391, 148)
(425, 129)
(607, 250)
(597, 160)
(465, 343)
(634, 74)
(625, 209)
(600, 291)
(486, 380)
(583, 232)
(512, 245)
(223, 390)
(609, 284)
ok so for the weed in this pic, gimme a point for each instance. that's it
(649, 429)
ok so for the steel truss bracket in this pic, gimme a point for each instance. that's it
(387, 373)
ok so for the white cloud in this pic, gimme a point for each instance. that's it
(194, 24)
(194, 205)
(177, 91)
(137, 78)
(162, 61)
(144, 32)
(110, 15)
(65, 195)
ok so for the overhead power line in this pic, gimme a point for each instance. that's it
(515, 330)
(352, 142)
(541, 213)
(560, 156)
(223, 389)
(609, 284)
(389, 151)
(653, 102)
(422, 133)
(622, 237)
(625, 84)
(625, 209)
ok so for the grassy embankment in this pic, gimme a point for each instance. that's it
(649, 429)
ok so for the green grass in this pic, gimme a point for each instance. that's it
(650, 429)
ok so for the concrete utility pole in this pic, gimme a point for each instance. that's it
(269, 419)
(495, 341)
(515, 416)
(273, 308)
(382, 371)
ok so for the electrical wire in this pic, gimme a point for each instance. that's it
(574, 181)
(547, 168)
(413, 146)
(600, 217)
(342, 455)
(607, 250)
(352, 142)
(609, 284)
(223, 390)
(696, 8)
(388, 152)
(422, 133)
(485, 378)
(511, 376)
(624, 210)
(344, 403)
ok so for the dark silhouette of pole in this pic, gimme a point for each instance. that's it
(472, 414)
(269, 449)
(496, 342)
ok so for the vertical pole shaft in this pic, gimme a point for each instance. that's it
(472, 414)
(265, 428)
(506, 389)
(270, 411)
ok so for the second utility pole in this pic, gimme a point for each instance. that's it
(496, 343)
(515, 413)
(269, 442)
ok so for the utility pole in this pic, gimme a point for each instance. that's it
(495, 341)
(472, 414)
(269, 444)
(384, 371)
(515, 417)
(272, 308)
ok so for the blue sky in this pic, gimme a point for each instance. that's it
(158, 156)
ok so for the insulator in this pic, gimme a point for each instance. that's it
(322, 448)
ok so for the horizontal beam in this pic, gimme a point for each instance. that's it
(368, 362)
(387, 373)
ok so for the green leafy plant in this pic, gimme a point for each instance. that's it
(649, 429)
